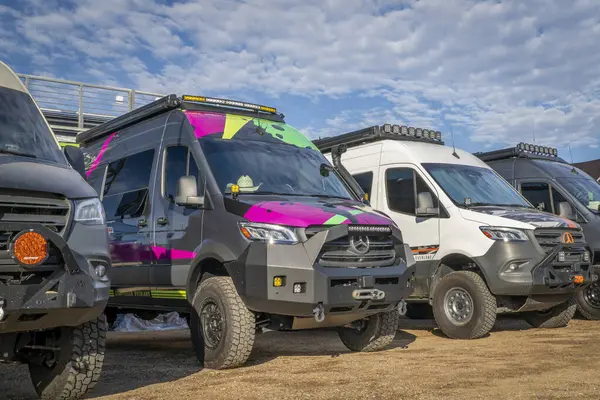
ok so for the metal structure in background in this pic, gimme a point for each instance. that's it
(72, 107)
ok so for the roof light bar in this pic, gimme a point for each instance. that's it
(542, 150)
(230, 103)
(403, 130)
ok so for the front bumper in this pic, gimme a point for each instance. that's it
(539, 274)
(64, 294)
(335, 289)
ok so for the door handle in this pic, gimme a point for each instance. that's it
(142, 223)
(162, 221)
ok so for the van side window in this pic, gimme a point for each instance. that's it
(365, 181)
(126, 186)
(178, 162)
(96, 177)
(402, 186)
(538, 194)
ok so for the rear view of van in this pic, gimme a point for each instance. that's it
(222, 211)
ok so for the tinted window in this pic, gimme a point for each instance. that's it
(23, 129)
(365, 181)
(538, 194)
(95, 178)
(557, 198)
(401, 189)
(179, 162)
(126, 187)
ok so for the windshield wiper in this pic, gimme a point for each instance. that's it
(17, 153)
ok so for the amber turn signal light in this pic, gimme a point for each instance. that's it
(578, 279)
(29, 248)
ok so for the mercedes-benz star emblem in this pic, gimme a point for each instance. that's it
(359, 244)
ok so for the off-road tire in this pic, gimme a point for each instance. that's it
(79, 365)
(419, 311)
(484, 305)
(586, 310)
(557, 317)
(238, 325)
(378, 333)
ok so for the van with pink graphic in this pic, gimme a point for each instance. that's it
(221, 211)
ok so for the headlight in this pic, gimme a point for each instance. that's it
(268, 233)
(89, 212)
(505, 234)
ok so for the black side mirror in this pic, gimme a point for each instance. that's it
(75, 157)
(187, 192)
(425, 205)
(566, 211)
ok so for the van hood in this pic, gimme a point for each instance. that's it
(304, 211)
(506, 216)
(42, 177)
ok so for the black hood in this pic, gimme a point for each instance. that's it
(43, 177)
(533, 216)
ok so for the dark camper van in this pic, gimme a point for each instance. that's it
(54, 259)
(553, 185)
(221, 205)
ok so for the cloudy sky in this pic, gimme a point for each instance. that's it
(492, 71)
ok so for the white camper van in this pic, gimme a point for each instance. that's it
(481, 248)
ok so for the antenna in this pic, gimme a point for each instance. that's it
(534, 131)
(453, 148)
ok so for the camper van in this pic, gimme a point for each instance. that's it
(220, 210)
(553, 185)
(54, 258)
(480, 247)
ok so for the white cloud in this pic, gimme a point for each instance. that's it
(488, 68)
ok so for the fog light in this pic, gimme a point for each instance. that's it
(100, 270)
(586, 257)
(578, 279)
(279, 281)
(299, 287)
(561, 256)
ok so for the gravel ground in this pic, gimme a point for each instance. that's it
(513, 362)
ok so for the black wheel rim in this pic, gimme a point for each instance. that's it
(211, 320)
(591, 295)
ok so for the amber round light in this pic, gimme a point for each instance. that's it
(30, 248)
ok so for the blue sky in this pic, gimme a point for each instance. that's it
(490, 70)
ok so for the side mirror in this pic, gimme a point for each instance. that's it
(425, 205)
(187, 192)
(566, 211)
(75, 157)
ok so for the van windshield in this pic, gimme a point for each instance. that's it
(584, 189)
(482, 185)
(23, 131)
(271, 168)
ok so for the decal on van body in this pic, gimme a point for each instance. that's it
(231, 126)
(424, 253)
(537, 218)
(96, 161)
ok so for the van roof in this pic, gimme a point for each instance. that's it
(172, 102)
(10, 80)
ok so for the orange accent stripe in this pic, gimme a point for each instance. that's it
(424, 250)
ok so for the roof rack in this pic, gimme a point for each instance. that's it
(161, 105)
(171, 102)
(522, 150)
(377, 133)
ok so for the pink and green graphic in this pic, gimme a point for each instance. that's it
(231, 126)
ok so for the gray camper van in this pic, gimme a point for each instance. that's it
(54, 259)
(223, 206)
(553, 185)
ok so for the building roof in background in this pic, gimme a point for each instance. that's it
(591, 168)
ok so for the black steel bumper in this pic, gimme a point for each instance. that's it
(69, 294)
(339, 290)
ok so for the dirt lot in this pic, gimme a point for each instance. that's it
(514, 362)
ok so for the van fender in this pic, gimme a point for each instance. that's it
(207, 250)
(450, 263)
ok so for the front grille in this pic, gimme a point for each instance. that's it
(548, 239)
(338, 253)
(35, 208)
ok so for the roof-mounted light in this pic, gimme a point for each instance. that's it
(387, 128)
(229, 103)
(403, 130)
(542, 150)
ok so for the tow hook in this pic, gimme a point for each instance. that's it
(402, 308)
(319, 313)
(2, 313)
(368, 294)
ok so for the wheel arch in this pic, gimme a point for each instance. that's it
(454, 262)
(211, 258)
